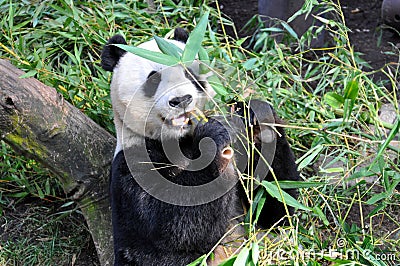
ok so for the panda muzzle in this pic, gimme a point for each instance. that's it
(178, 121)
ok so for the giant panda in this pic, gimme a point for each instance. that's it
(159, 216)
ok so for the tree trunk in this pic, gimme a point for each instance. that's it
(38, 123)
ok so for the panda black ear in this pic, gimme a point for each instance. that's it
(111, 54)
(181, 35)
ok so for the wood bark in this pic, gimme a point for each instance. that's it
(38, 123)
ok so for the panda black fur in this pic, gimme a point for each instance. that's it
(148, 231)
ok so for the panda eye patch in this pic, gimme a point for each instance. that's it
(189, 74)
(151, 84)
(151, 73)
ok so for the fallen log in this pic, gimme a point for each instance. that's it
(38, 123)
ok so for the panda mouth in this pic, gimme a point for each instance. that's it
(178, 121)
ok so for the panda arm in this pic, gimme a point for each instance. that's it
(194, 162)
(283, 161)
(221, 137)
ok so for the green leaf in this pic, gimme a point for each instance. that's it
(260, 205)
(333, 99)
(307, 158)
(375, 198)
(347, 109)
(255, 252)
(39, 191)
(198, 261)
(290, 30)
(195, 39)
(203, 56)
(249, 64)
(317, 210)
(18, 195)
(286, 184)
(332, 170)
(228, 262)
(386, 181)
(71, 56)
(205, 61)
(217, 85)
(392, 134)
(279, 51)
(11, 16)
(351, 90)
(242, 257)
(168, 48)
(28, 74)
(157, 57)
(272, 29)
(47, 187)
(258, 202)
(377, 209)
(274, 191)
(395, 182)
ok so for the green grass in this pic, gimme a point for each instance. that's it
(39, 225)
(39, 234)
(327, 97)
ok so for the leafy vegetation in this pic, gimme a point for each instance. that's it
(348, 155)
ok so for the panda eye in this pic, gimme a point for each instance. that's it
(151, 73)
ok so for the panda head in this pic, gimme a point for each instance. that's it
(150, 99)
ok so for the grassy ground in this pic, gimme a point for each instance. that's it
(327, 97)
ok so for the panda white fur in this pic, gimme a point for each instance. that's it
(152, 105)
(137, 106)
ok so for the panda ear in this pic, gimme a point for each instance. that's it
(181, 35)
(111, 54)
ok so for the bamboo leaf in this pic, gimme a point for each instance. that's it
(195, 39)
(242, 257)
(157, 57)
(203, 56)
(217, 85)
(307, 158)
(255, 253)
(351, 90)
(392, 134)
(286, 184)
(375, 198)
(29, 74)
(290, 30)
(11, 16)
(260, 205)
(333, 99)
(198, 261)
(228, 262)
(274, 191)
(317, 210)
(168, 48)
(249, 64)
(205, 60)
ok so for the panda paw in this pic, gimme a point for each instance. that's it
(257, 115)
(222, 136)
(215, 129)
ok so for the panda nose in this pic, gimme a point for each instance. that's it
(181, 102)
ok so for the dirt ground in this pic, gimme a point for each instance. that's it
(367, 35)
